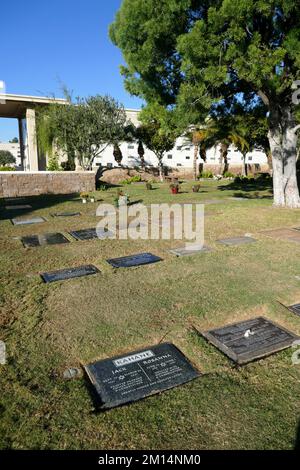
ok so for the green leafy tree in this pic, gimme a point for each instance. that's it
(141, 152)
(6, 158)
(117, 154)
(198, 52)
(82, 129)
(158, 132)
(15, 140)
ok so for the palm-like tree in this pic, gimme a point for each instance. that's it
(217, 132)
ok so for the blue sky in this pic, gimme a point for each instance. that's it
(43, 43)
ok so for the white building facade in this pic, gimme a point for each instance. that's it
(181, 156)
(14, 149)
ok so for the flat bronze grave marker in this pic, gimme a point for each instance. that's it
(248, 340)
(131, 377)
(284, 234)
(184, 251)
(236, 241)
(295, 309)
(134, 260)
(44, 239)
(90, 234)
(69, 273)
(66, 214)
(32, 220)
(16, 207)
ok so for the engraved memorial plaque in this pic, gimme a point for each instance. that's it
(134, 260)
(131, 377)
(70, 273)
(236, 241)
(29, 221)
(251, 339)
(44, 239)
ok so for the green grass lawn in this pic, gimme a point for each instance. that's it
(50, 327)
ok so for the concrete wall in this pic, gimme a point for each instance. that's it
(19, 183)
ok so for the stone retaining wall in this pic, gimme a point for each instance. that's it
(19, 183)
(116, 175)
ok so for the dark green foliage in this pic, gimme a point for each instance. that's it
(6, 157)
(82, 129)
(200, 54)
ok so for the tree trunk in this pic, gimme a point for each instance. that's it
(196, 152)
(289, 146)
(224, 155)
(160, 169)
(141, 153)
(269, 158)
(245, 166)
(202, 152)
(283, 144)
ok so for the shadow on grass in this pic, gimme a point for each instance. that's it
(244, 187)
(133, 203)
(37, 202)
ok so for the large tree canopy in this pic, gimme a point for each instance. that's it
(158, 131)
(196, 53)
(82, 129)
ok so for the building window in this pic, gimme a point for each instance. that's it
(130, 146)
(178, 147)
(178, 164)
(131, 157)
(187, 157)
(187, 148)
(212, 158)
(250, 159)
(169, 156)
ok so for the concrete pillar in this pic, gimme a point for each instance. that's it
(21, 143)
(31, 140)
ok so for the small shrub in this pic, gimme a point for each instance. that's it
(84, 195)
(7, 168)
(136, 179)
(133, 179)
(53, 164)
(148, 186)
(206, 174)
(102, 187)
(228, 174)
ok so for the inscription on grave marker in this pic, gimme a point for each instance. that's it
(131, 377)
(66, 214)
(184, 251)
(44, 239)
(236, 241)
(251, 339)
(33, 220)
(90, 234)
(134, 260)
(295, 309)
(18, 207)
(70, 273)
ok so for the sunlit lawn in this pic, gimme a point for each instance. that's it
(50, 327)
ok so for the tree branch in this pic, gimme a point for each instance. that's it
(264, 97)
(296, 128)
